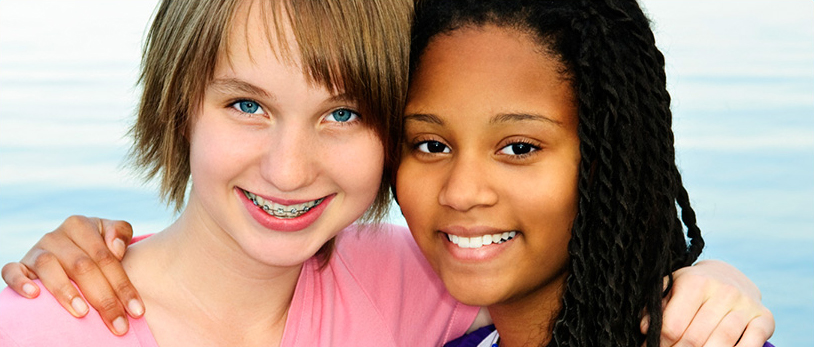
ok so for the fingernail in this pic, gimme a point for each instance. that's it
(118, 247)
(135, 307)
(120, 325)
(29, 289)
(79, 306)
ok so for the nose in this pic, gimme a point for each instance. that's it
(468, 185)
(291, 158)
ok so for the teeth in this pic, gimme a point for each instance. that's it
(282, 211)
(480, 241)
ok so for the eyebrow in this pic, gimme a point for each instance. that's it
(500, 118)
(234, 85)
(518, 117)
(342, 97)
(424, 117)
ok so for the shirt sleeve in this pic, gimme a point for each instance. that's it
(407, 293)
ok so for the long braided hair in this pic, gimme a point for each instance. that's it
(627, 235)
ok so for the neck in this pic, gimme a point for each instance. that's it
(529, 319)
(194, 275)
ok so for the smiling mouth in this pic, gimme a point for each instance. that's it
(480, 241)
(282, 211)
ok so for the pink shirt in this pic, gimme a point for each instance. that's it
(377, 290)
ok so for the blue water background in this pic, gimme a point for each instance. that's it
(741, 75)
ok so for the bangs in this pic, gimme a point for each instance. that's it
(351, 47)
(356, 48)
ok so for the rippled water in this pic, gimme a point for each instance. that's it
(741, 75)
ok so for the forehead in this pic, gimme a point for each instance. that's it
(488, 70)
(289, 32)
(259, 31)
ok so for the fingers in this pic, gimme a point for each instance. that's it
(680, 311)
(117, 235)
(727, 321)
(713, 306)
(729, 331)
(98, 272)
(91, 276)
(118, 284)
(53, 277)
(758, 331)
(77, 250)
(715, 324)
(19, 279)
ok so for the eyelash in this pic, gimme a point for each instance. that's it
(235, 106)
(533, 149)
(417, 147)
(418, 143)
(352, 121)
(422, 140)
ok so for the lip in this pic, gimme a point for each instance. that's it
(474, 255)
(285, 225)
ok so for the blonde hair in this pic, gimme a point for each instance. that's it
(358, 46)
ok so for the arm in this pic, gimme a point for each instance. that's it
(76, 250)
(714, 304)
(726, 305)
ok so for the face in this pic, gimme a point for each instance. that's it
(279, 164)
(488, 178)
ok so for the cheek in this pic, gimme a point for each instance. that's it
(215, 154)
(409, 197)
(560, 196)
(554, 198)
(203, 156)
(416, 190)
(359, 168)
(555, 219)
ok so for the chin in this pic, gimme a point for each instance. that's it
(474, 293)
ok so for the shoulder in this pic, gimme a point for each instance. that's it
(384, 241)
(21, 319)
(43, 322)
(382, 253)
(398, 284)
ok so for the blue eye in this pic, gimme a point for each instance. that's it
(342, 115)
(432, 147)
(248, 106)
(518, 148)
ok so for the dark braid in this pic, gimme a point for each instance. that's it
(626, 235)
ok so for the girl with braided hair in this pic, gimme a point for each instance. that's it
(541, 133)
(361, 287)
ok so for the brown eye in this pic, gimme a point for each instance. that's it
(519, 148)
(432, 147)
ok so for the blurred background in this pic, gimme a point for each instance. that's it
(741, 74)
